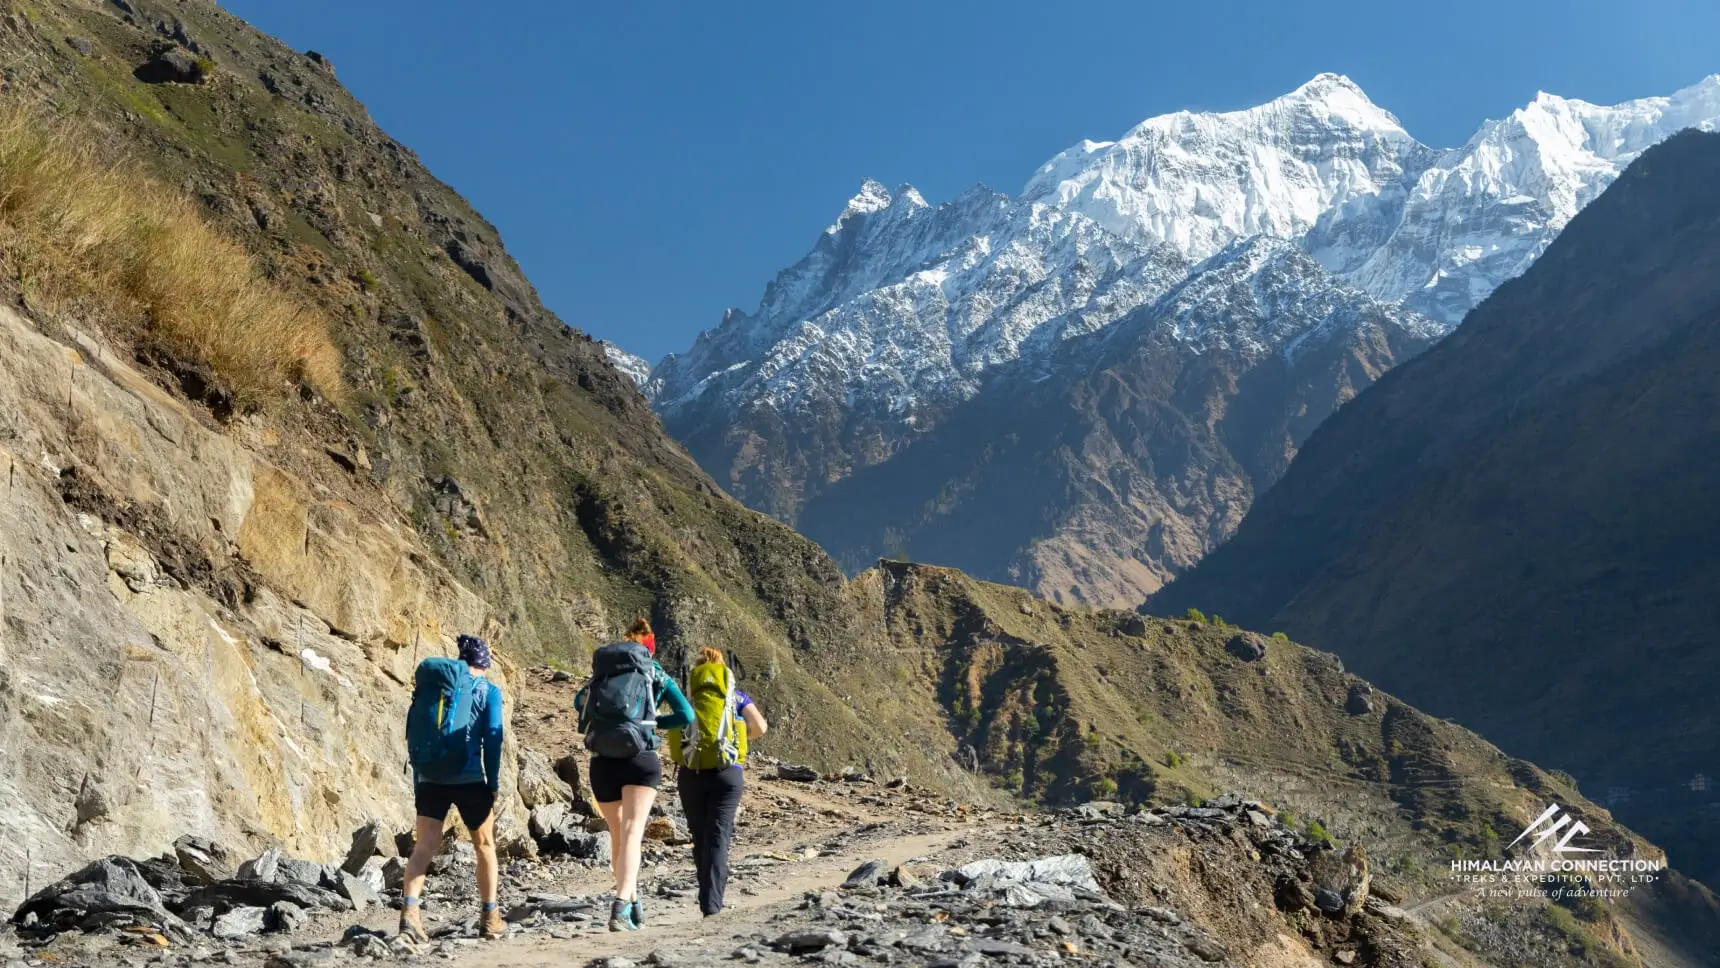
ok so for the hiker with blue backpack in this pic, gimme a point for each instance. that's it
(454, 740)
(710, 755)
(618, 714)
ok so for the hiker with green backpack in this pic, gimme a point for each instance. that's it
(710, 754)
(454, 740)
(619, 719)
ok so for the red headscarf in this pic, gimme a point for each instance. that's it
(649, 642)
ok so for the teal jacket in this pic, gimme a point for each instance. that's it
(664, 689)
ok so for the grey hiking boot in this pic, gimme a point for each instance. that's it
(638, 912)
(621, 916)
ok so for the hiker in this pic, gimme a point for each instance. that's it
(454, 738)
(710, 756)
(618, 715)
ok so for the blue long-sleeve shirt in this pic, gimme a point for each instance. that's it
(664, 690)
(484, 756)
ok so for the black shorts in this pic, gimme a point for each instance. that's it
(608, 776)
(475, 800)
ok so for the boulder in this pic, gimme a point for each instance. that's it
(567, 770)
(285, 917)
(665, 830)
(811, 939)
(1247, 646)
(546, 819)
(112, 885)
(82, 46)
(573, 842)
(253, 893)
(796, 773)
(1360, 701)
(358, 889)
(394, 873)
(240, 922)
(539, 783)
(262, 868)
(202, 861)
(173, 65)
(371, 840)
(311, 956)
(866, 875)
(293, 870)
(1340, 881)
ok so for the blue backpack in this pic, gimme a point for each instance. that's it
(439, 724)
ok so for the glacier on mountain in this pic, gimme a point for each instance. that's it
(903, 308)
(635, 368)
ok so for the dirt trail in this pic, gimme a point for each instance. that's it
(676, 926)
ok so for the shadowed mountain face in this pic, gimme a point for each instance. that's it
(1519, 529)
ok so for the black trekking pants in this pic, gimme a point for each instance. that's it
(710, 799)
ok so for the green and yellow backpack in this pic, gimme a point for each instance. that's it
(717, 736)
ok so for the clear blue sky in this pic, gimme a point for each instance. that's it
(653, 163)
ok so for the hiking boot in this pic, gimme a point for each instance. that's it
(491, 926)
(621, 916)
(638, 912)
(412, 924)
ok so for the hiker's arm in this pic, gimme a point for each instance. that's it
(493, 739)
(680, 710)
(756, 725)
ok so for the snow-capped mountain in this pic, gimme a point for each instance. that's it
(904, 311)
(1100, 472)
(635, 368)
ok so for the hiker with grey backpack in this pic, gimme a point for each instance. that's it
(618, 715)
(454, 740)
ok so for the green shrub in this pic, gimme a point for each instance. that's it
(1174, 760)
(1317, 832)
(367, 280)
(1280, 637)
(1103, 788)
(1219, 621)
(1195, 615)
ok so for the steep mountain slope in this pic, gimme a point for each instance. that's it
(905, 311)
(1095, 476)
(1514, 530)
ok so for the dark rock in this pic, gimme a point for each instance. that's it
(403, 843)
(1360, 701)
(393, 873)
(1328, 901)
(109, 885)
(1134, 626)
(1247, 646)
(1205, 947)
(174, 65)
(1099, 810)
(561, 675)
(571, 841)
(897, 783)
(371, 840)
(796, 773)
(240, 922)
(1341, 881)
(285, 917)
(293, 870)
(202, 861)
(359, 890)
(866, 875)
(811, 939)
(82, 46)
(263, 894)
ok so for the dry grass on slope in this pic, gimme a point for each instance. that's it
(80, 234)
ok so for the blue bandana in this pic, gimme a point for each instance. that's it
(474, 652)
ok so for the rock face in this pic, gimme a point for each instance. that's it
(1526, 522)
(881, 348)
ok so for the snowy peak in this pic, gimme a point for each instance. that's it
(633, 367)
(1199, 181)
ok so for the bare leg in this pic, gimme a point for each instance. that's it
(635, 813)
(612, 819)
(484, 841)
(426, 841)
